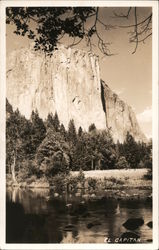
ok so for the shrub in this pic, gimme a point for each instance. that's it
(59, 182)
(22, 175)
(92, 183)
(32, 179)
(141, 164)
(121, 163)
(148, 175)
(116, 181)
(148, 163)
(81, 176)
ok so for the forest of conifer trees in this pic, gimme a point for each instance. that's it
(46, 148)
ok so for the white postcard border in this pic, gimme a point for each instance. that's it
(155, 104)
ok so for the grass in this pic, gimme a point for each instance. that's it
(123, 177)
(116, 173)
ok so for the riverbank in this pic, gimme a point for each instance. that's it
(120, 184)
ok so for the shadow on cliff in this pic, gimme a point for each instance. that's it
(102, 96)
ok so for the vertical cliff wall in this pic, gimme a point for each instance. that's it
(120, 118)
(68, 83)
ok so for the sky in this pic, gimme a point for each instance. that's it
(127, 74)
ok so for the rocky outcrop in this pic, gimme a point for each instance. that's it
(68, 83)
(120, 118)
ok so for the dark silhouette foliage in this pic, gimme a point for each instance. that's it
(47, 26)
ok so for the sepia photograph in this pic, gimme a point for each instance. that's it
(80, 152)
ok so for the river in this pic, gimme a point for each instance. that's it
(34, 216)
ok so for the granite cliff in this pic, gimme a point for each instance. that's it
(120, 118)
(68, 83)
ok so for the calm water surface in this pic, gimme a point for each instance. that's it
(33, 216)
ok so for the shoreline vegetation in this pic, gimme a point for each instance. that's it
(120, 184)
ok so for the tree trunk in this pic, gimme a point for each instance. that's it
(99, 164)
(13, 169)
(95, 165)
(92, 164)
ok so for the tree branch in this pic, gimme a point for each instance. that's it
(139, 27)
(101, 44)
(135, 30)
(131, 26)
(143, 40)
(122, 15)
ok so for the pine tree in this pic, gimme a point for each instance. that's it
(78, 154)
(56, 122)
(9, 109)
(49, 121)
(72, 135)
(38, 130)
(80, 131)
(25, 133)
(92, 127)
(132, 152)
(63, 132)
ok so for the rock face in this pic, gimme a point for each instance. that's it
(120, 118)
(67, 83)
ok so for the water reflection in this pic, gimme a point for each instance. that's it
(31, 217)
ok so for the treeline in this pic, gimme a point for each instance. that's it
(45, 148)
